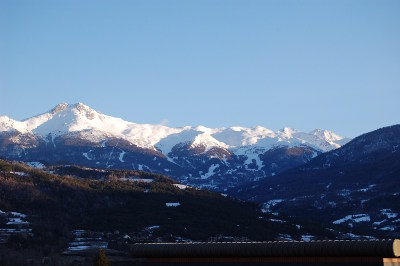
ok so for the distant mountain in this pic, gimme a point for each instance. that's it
(211, 158)
(355, 188)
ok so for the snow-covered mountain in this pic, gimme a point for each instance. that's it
(68, 119)
(355, 187)
(212, 157)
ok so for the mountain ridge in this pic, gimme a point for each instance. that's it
(76, 117)
(215, 158)
(356, 184)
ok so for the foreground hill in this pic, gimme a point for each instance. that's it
(43, 211)
(213, 158)
(111, 203)
(355, 188)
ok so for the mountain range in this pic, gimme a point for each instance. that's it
(213, 158)
(346, 188)
(355, 188)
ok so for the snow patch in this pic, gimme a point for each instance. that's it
(388, 213)
(271, 203)
(388, 228)
(180, 186)
(134, 179)
(84, 240)
(277, 221)
(18, 214)
(356, 218)
(172, 204)
(367, 189)
(16, 221)
(285, 237)
(210, 172)
(379, 223)
(86, 155)
(306, 238)
(121, 156)
(104, 143)
(37, 165)
(19, 173)
(152, 227)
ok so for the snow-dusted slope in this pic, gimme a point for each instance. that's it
(215, 158)
(198, 136)
(65, 119)
(70, 118)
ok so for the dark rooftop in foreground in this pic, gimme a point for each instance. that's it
(338, 252)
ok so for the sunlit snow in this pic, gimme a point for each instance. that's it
(97, 127)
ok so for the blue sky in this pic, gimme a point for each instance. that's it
(303, 64)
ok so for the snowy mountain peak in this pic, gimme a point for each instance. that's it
(328, 135)
(80, 107)
(69, 118)
(202, 128)
(215, 158)
(60, 107)
(288, 131)
(7, 124)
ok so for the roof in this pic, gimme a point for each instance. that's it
(330, 248)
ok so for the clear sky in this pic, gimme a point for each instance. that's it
(304, 64)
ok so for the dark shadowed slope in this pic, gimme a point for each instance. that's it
(355, 188)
